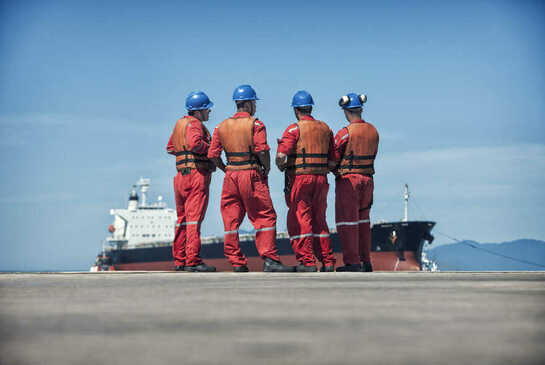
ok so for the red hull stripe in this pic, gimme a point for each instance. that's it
(382, 261)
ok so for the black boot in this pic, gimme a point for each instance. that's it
(202, 267)
(242, 268)
(179, 268)
(348, 267)
(303, 268)
(366, 267)
(327, 268)
(270, 265)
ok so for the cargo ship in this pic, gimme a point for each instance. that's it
(141, 238)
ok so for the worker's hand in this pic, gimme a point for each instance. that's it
(281, 161)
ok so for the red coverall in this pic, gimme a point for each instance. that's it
(353, 199)
(191, 194)
(246, 191)
(307, 204)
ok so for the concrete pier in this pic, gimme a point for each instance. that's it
(258, 318)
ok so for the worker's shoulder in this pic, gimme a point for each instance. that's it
(370, 125)
(373, 130)
(223, 124)
(292, 128)
(343, 131)
(194, 122)
(323, 124)
(181, 120)
(258, 123)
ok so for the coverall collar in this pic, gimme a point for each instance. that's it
(192, 117)
(358, 121)
(242, 115)
(307, 117)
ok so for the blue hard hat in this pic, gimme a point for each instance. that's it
(352, 100)
(198, 100)
(244, 92)
(302, 98)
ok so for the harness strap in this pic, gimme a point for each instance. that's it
(242, 163)
(186, 161)
(237, 154)
(311, 155)
(351, 156)
(188, 153)
(251, 161)
(307, 165)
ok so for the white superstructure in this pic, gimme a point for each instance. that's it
(142, 224)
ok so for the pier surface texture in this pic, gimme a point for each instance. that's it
(258, 318)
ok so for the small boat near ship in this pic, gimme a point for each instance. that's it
(141, 238)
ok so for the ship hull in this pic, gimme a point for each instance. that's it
(395, 246)
(382, 261)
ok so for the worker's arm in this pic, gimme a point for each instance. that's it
(196, 139)
(281, 160)
(341, 139)
(214, 151)
(331, 156)
(265, 160)
(218, 162)
(261, 147)
(170, 146)
(286, 145)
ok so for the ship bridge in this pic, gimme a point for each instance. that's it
(142, 223)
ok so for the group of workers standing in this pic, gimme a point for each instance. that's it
(306, 153)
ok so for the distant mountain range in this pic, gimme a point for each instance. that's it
(524, 254)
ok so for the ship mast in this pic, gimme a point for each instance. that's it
(406, 196)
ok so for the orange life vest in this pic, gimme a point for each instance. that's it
(184, 157)
(312, 149)
(236, 137)
(361, 150)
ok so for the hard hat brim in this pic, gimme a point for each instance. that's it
(204, 107)
(244, 99)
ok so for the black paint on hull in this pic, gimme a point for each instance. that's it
(386, 237)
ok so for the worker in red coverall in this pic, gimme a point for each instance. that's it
(307, 153)
(189, 142)
(356, 148)
(245, 187)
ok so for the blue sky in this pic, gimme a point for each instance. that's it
(90, 91)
